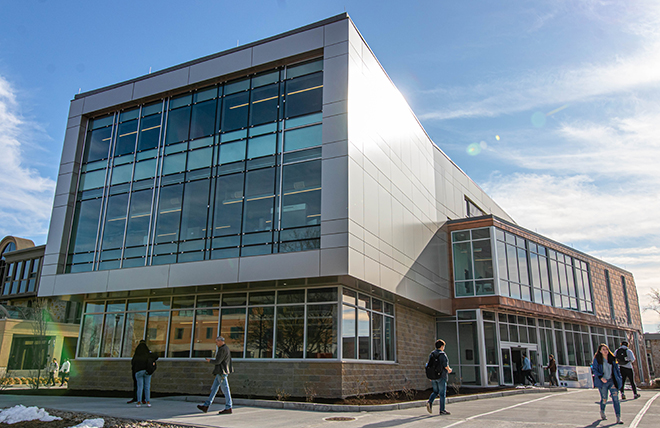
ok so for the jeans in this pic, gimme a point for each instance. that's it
(220, 382)
(143, 383)
(627, 373)
(439, 390)
(609, 386)
(65, 377)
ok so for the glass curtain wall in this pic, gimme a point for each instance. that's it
(225, 171)
(278, 324)
(527, 270)
(571, 344)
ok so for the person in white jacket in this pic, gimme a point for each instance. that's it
(64, 371)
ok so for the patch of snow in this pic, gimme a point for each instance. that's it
(20, 413)
(90, 423)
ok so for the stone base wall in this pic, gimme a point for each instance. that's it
(415, 334)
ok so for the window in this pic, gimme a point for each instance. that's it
(288, 323)
(533, 272)
(609, 294)
(240, 158)
(473, 263)
(472, 210)
(366, 328)
(625, 298)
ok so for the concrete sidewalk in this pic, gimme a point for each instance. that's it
(183, 410)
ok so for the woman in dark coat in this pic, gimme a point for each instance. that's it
(552, 369)
(141, 359)
(607, 377)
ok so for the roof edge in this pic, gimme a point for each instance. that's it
(321, 23)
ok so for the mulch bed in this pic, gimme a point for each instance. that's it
(70, 419)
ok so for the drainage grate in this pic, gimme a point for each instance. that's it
(339, 419)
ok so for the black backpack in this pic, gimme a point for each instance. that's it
(431, 366)
(622, 356)
(151, 364)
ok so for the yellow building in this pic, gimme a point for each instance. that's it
(32, 331)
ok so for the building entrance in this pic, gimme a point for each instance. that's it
(516, 365)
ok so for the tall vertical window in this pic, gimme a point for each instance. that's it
(229, 170)
(609, 294)
(473, 263)
(625, 298)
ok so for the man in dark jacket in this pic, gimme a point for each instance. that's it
(223, 367)
(439, 359)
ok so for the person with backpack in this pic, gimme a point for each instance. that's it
(143, 365)
(437, 369)
(607, 378)
(625, 358)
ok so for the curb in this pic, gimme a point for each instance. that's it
(317, 407)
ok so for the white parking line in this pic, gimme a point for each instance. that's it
(641, 413)
(514, 406)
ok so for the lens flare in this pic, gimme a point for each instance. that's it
(497, 137)
(538, 119)
(473, 149)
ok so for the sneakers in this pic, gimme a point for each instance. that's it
(148, 404)
(444, 412)
(619, 421)
(636, 396)
(203, 408)
(139, 404)
(602, 415)
(225, 412)
(429, 407)
(623, 396)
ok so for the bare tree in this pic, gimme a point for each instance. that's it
(655, 302)
(40, 319)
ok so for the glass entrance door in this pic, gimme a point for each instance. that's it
(536, 366)
(507, 373)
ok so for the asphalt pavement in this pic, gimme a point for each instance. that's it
(573, 408)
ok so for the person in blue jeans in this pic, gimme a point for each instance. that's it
(223, 367)
(607, 378)
(139, 363)
(439, 360)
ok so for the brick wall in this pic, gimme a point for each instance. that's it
(264, 378)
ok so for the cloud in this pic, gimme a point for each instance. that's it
(573, 209)
(25, 196)
(530, 90)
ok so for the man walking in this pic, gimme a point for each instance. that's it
(527, 370)
(437, 369)
(625, 358)
(53, 369)
(64, 371)
(223, 367)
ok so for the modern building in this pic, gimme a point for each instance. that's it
(29, 336)
(283, 194)
(652, 341)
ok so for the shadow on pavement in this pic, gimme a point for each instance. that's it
(397, 422)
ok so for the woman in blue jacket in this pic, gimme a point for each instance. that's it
(607, 377)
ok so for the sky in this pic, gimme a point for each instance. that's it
(551, 106)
